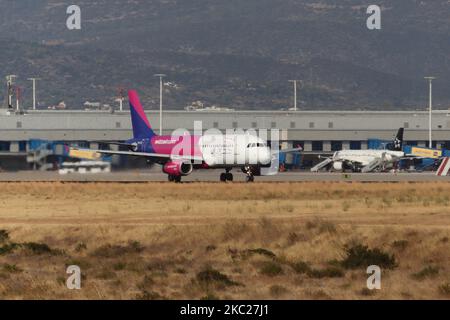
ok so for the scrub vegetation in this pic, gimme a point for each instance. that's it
(310, 240)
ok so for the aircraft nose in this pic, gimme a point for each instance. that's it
(266, 156)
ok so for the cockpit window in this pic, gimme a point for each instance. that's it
(255, 145)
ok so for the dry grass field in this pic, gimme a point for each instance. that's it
(225, 241)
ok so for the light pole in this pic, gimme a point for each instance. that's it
(295, 93)
(120, 98)
(161, 76)
(34, 91)
(430, 108)
(18, 97)
(10, 83)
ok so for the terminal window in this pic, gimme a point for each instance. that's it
(103, 146)
(330, 125)
(235, 124)
(336, 145)
(19, 124)
(4, 145)
(118, 125)
(216, 125)
(22, 146)
(254, 125)
(406, 125)
(311, 125)
(297, 144)
(355, 145)
(292, 125)
(82, 144)
(317, 146)
(273, 124)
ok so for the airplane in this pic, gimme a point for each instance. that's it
(444, 167)
(365, 160)
(429, 158)
(180, 155)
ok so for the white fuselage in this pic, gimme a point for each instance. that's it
(234, 150)
(365, 157)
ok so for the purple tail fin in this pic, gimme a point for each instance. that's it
(141, 126)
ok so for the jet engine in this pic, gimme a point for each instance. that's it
(178, 168)
(338, 166)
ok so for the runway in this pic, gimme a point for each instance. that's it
(213, 176)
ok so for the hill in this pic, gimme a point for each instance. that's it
(236, 53)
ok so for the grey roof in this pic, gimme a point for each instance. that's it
(300, 125)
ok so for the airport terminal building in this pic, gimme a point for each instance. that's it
(29, 138)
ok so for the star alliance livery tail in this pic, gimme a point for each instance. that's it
(397, 144)
(141, 126)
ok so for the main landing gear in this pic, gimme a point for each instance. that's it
(226, 176)
(173, 178)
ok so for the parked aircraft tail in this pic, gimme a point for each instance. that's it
(397, 143)
(444, 167)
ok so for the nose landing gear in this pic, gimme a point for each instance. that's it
(248, 171)
(173, 178)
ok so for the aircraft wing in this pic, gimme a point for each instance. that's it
(293, 150)
(115, 143)
(412, 156)
(319, 153)
(92, 154)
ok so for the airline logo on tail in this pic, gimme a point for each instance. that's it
(444, 167)
(398, 141)
(141, 126)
